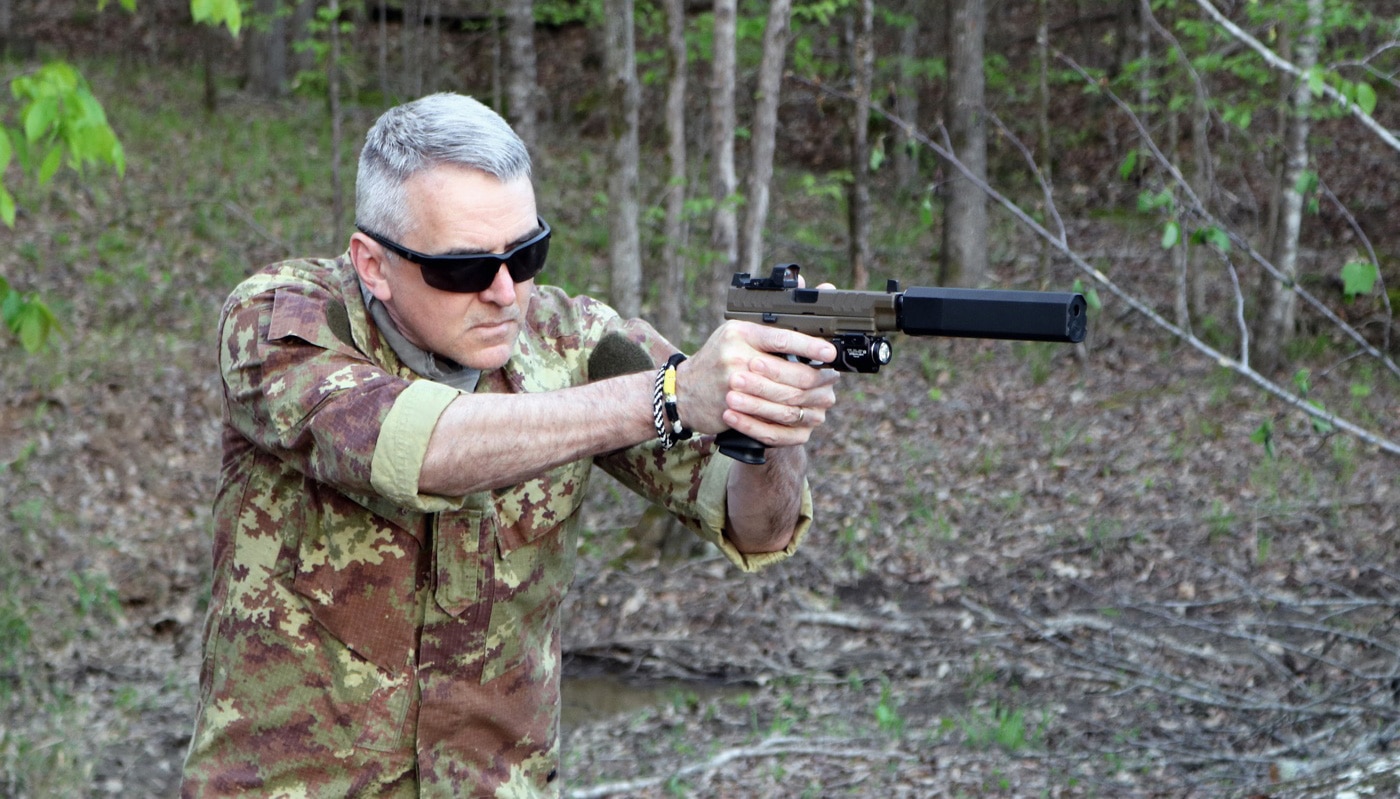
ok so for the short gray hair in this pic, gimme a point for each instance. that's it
(440, 129)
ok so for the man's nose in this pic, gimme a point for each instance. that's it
(502, 289)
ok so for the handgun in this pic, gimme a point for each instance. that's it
(856, 322)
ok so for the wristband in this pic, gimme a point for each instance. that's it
(665, 414)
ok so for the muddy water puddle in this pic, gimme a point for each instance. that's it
(597, 696)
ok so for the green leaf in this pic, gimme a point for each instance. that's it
(1171, 234)
(1129, 165)
(33, 325)
(1306, 183)
(1366, 98)
(1315, 81)
(1264, 435)
(20, 147)
(1238, 116)
(39, 117)
(29, 318)
(1359, 277)
(10, 305)
(1302, 379)
(218, 12)
(7, 208)
(1148, 201)
(50, 166)
(1213, 236)
(1319, 425)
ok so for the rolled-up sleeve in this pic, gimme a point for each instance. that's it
(713, 508)
(296, 389)
(403, 444)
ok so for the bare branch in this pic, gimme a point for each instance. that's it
(827, 748)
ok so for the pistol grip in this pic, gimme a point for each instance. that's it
(741, 448)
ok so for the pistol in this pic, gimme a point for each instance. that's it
(856, 322)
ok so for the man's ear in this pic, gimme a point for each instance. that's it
(368, 258)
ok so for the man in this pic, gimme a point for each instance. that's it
(408, 433)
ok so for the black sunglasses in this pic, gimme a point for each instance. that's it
(469, 274)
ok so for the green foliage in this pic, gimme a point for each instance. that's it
(1001, 727)
(314, 82)
(59, 120)
(1213, 236)
(887, 715)
(1359, 277)
(227, 13)
(26, 317)
(1263, 435)
(556, 13)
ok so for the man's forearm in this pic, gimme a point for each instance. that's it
(765, 502)
(490, 441)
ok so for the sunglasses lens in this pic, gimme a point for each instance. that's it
(527, 262)
(470, 274)
(462, 278)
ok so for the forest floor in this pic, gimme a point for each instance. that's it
(1036, 570)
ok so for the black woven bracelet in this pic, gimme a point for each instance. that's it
(668, 397)
(658, 411)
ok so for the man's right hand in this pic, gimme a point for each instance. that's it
(742, 379)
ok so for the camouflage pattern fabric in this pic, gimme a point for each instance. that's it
(365, 639)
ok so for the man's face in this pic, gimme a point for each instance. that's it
(456, 211)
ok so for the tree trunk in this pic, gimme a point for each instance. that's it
(210, 45)
(410, 47)
(625, 92)
(1203, 181)
(385, 90)
(672, 281)
(1045, 159)
(521, 73)
(267, 50)
(333, 92)
(965, 216)
(724, 183)
(906, 105)
(1277, 322)
(7, 16)
(298, 31)
(765, 132)
(858, 201)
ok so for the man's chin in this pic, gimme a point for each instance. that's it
(489, 357)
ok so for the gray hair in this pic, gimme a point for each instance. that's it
(440, 129)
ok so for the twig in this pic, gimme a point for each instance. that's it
(852, 621)
(771, 747)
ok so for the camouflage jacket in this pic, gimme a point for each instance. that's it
(364, 638)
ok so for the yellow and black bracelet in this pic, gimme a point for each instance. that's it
(665, 415)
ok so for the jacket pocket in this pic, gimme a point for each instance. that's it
(534, 564)
(460, 561)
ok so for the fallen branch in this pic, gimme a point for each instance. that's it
(830, 748)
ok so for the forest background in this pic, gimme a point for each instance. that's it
(1161, 563)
